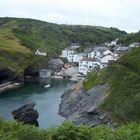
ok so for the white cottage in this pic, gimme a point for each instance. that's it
(75, 45)
(106, 59)
(107, 52)
(97, 52)
(66, 52)
(41, 52)
(88, 64)
(78, 57)
(70, 57)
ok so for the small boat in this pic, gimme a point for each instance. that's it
(47, 86)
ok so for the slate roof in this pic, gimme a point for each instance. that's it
(41, 50)
(100, 49)
(122, 48)
(56, 62)
(75, 44)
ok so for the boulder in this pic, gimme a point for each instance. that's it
(26, 114)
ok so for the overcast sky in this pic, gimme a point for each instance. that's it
(123, 14)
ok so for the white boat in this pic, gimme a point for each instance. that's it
(47, 86)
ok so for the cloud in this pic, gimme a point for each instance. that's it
(123, 14)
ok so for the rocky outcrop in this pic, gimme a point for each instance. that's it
(7, 75)
(9, 80)
(9, 86)
(83, 107)
(26, 114)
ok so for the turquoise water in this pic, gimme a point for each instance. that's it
(47, 101)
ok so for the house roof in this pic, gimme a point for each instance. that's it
(56, 62)
(122, 48)
(88, 50)
(68, 49)
(75, 44)
(108, 56)
(41, 50)
(100, 49)
(107, 51)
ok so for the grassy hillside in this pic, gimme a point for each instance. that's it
(123, 99)
(130, 38)
(67, 131)
(35, 34)
(13, 55)
(20, 38)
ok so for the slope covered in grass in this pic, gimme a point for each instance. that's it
(123, 76)
(67, 131)
(35, 34)
(19, 38)
(13, 55)
(124, 79)
(130, 38)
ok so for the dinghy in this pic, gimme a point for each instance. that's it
(47, 86)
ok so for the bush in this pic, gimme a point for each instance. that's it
(67, 131)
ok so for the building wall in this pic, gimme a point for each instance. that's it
(107, 52)
(70, 58)
(77, 57)
(75, 46)
(107, 58)
(87, 66)
(44, 73)
(94, 54)
(64, 53)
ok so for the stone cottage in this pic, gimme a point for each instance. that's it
(55, 65)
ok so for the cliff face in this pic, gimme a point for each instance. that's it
(9, 75)
(83, 107)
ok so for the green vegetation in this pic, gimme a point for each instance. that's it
(20, 38)
(130, 38)
(13, 55)
(91, 80)
(124, 80)
(53, 37)
(67, 131)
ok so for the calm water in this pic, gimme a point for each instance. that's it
(47, 101)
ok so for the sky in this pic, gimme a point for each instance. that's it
(122, 14)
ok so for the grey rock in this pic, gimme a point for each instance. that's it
(26, 114)
(82, 107)
(92, 110)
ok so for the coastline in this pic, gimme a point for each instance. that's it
(9, 86)
(83, 107)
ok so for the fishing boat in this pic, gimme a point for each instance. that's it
(47, 86)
